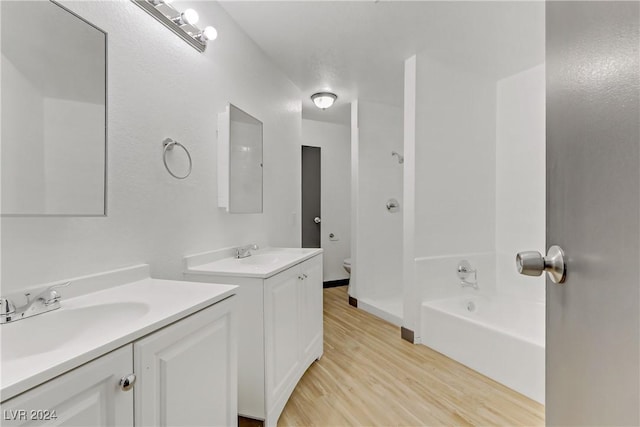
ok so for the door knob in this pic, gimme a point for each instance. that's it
(317, 220)
(532, 263)
(127, 382)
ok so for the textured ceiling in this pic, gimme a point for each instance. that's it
(357, 49)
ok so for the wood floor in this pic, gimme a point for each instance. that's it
(370, 376)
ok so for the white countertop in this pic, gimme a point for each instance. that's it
(262, 263)
(133, 309)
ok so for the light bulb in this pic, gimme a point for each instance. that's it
(189, 16)
(209, 33)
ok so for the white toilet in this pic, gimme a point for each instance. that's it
(347, 265)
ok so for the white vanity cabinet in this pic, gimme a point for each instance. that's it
(187, 372)
(185, 375)
(86, 396)
(279, 332)
(292, 328)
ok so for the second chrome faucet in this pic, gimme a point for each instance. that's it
(245, 251)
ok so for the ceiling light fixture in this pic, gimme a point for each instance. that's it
(324, 100)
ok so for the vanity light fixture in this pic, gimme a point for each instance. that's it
(324, 100)
(181, 23)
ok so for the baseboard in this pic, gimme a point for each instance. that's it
(407, 335)
(353, 301)
(335, 283)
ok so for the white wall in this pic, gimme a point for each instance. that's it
(334, 142)
(455, 177)
(161, 87)
(520, 178)
(22, 147)
(379, 255)
(74, 156)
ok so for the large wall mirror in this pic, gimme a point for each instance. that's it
(239, 161)
(53, 97)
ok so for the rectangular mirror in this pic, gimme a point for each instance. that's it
(53, 111)
(239, 161)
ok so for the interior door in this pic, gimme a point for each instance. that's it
(593, 189)
(311, 194)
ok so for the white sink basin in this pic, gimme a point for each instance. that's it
(261, 259)
(98, 314)
(262, 263)
(53, 330)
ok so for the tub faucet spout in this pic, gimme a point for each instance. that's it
(466, 284)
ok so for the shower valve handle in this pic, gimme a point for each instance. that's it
(532, 263)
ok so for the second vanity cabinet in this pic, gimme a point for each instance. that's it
(185, 375)
(280, 331)
(292, 328)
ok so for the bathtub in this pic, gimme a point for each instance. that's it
(498, 336)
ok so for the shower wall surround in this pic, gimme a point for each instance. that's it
(455, 160)
(454, 180)
(160, 87)
(378, 259)
(520, 178)
(478, 140)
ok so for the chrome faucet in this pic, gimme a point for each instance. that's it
(245, 251)
(464, 272)
(47, 300)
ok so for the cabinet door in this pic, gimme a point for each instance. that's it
(282, 333)
(86, 396)
(187, 374)
(311, 309)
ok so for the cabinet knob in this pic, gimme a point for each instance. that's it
(127, 382)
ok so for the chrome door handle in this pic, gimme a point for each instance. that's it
(317, 220)
(127, 382)
(532, 263)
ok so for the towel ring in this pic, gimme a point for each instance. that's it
(168, 146)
